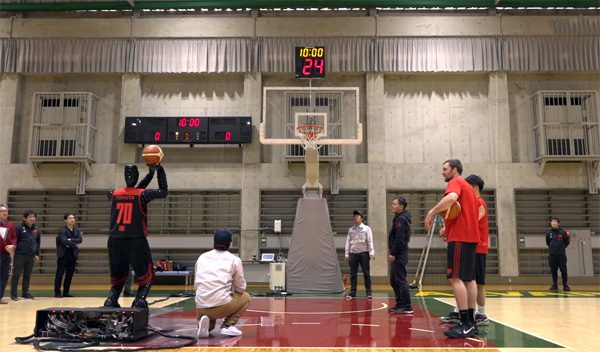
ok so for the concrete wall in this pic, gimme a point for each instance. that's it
(413, 122)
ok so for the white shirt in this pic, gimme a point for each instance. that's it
(218, 274)
(360, 239)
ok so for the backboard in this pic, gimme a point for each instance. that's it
(336, 109)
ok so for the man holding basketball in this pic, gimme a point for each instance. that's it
(462, 235)
(127, 243)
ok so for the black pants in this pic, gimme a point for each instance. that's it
(558, 262)
(398, 280)
(131, 251)
(4, 270)
(362, 259)
(66, 263)
(23, 264)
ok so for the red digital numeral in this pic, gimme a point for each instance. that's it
(308, 64)
(182, 122)
(320, 64)
(227, 136)
(157, 136)
(125, 211)
(195, 122)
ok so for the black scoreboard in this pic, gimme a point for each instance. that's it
(309, 62)
(188, 130)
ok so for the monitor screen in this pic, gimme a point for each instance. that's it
(267, 257)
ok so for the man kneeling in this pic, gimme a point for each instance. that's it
(220, 287)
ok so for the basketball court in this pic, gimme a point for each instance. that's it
(530, 320)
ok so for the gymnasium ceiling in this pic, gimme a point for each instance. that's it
(231, 5)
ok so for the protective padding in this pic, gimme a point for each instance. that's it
(312, 265)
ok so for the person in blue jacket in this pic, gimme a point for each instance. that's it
(557, 241)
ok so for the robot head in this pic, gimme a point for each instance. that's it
(131, 175)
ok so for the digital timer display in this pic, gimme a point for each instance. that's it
(310, 62)
(188, 130)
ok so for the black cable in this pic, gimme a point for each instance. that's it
(80, 344)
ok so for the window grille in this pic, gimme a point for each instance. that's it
(565, 128)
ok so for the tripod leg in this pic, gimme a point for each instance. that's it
(427, 253)
(414, 284)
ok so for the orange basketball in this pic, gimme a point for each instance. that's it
(452, 212)
(152, 154)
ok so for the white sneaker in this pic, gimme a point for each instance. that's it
(203, 327)
(231, 331)
(217, 329)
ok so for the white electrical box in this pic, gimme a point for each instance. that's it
(277, 226)
(277, 277)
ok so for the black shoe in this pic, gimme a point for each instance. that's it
(140, 297)
(404, 310)
(394, 308)
(68, 295)
(461, 331)
(28, 296)
(58, 295)
(453, 317)
(553, 288)
(112, 300)
(481, 320)
(566, 288)
(14, 297)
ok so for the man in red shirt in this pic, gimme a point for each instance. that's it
(462, 235)
(481, 252)
(8, 240)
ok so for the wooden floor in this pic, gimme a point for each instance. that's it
(571, 321)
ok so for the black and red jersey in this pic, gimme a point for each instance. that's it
(128, 218)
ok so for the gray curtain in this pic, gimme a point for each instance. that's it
(438, 54)
(576, 53)
(459, 54)
(71, 55)
(192, 55)
(7, 55)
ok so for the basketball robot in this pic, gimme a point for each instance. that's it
(127, 243)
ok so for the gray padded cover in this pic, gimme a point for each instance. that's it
(312, 264)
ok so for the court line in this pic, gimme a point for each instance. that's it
(383, 306)
(421, 330)
(299, 323)
(515, 328)
(376, 325)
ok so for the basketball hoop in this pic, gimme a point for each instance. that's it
(309, 135)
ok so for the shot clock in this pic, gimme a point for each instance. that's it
(310, 62)
(188, 130)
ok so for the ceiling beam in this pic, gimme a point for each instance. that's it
(212, 4)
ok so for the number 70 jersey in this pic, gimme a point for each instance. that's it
(128, 217)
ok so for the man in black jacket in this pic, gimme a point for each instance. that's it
(67, 242)
(398, 255)
(557, 241)
(27, 253)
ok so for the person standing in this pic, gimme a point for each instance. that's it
(398, 255)
(220, 289)
(557, 241)
(7, 247)
(462, 235)
(67, 249)
(27, 253)
(359, 251)
(127, 242)
(481, 252)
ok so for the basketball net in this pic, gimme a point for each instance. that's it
(309, 135)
